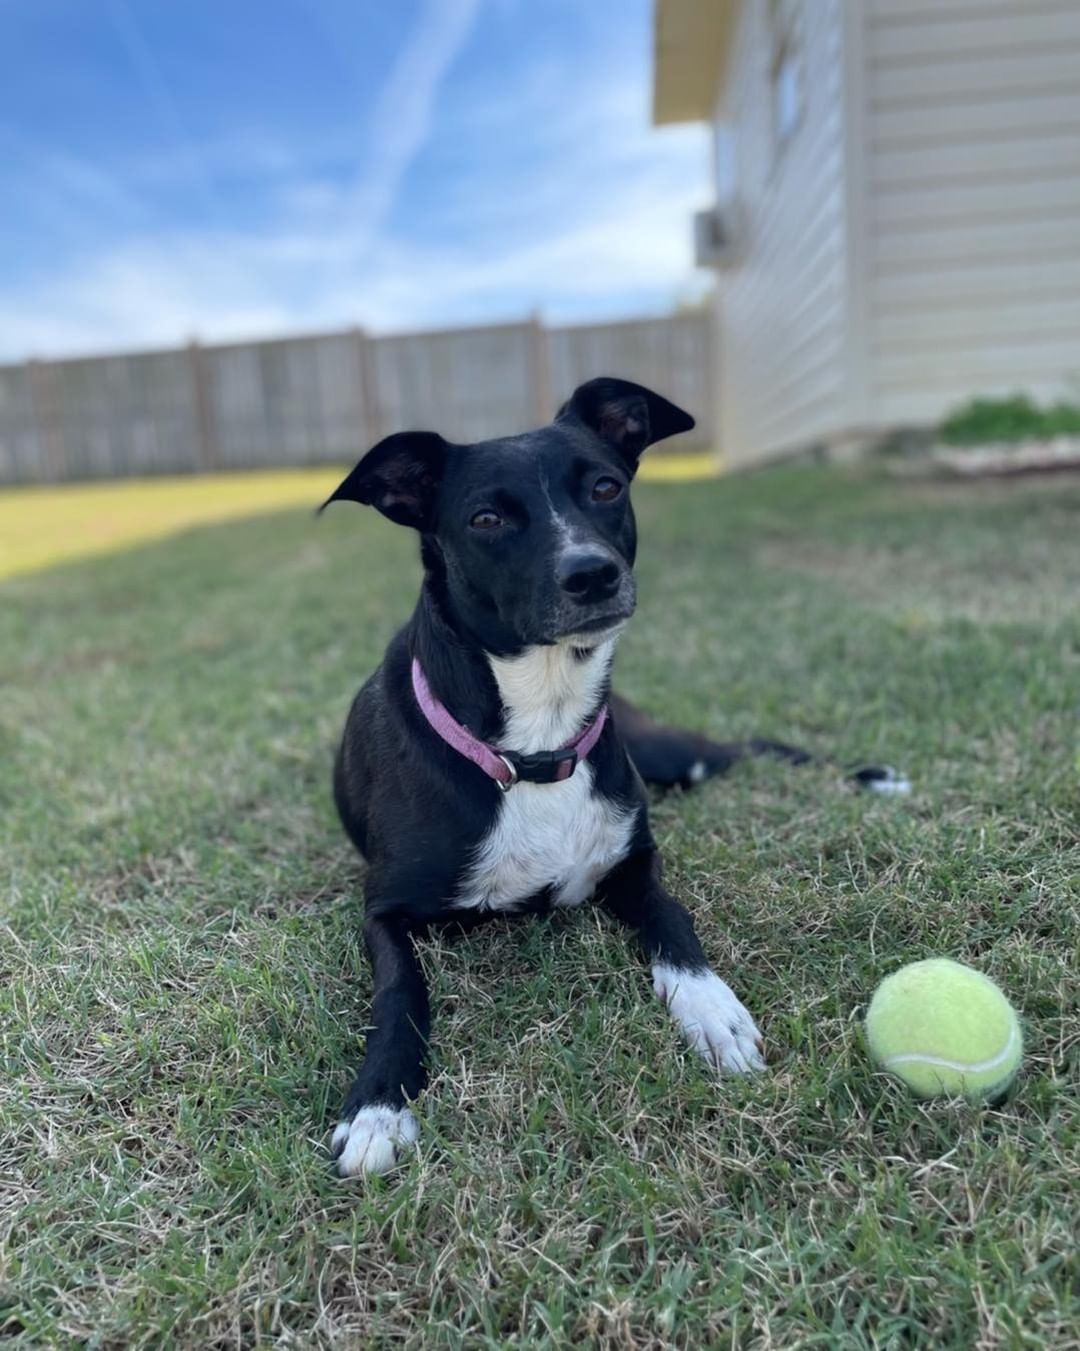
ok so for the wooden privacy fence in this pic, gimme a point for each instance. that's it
(296, 401)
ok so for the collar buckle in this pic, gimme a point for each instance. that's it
(541, 766)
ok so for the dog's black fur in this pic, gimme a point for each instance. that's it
(524, 541)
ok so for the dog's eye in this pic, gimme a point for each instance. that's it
(606, 489)
(486, 520)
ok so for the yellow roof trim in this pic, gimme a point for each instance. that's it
(690, 43)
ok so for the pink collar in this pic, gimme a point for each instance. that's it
(505, 767)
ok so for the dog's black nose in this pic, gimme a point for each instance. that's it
(588, 576)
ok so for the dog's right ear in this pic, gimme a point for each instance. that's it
(626, 416)
(399, 477)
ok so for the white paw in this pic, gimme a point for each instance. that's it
(373, 1141)
(892, 783)
(713, 1021)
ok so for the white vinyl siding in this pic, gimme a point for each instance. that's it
(972, 214)
(781, 309)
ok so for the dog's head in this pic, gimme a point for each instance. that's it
(529, 539)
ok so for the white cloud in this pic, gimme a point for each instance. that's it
(161, 100)
(403, 112)
(595, 222)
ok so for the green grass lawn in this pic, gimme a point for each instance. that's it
(183, 996)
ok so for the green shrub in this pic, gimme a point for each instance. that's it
(1017, 418)
(1063, 419)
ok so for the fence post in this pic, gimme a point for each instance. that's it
(370, 429)
(207, 449)
(53, 465)
(540, 372)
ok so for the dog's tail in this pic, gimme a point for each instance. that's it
(671, 757)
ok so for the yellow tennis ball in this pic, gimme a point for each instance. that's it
(945, 1030)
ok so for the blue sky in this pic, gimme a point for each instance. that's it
(232, 168)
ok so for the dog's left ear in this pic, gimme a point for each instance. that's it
(399, 477)
(627, 416)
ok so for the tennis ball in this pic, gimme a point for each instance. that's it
(944, 1029)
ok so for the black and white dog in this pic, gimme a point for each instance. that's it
(485, 766)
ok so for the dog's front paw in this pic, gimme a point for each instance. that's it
(373, 1141)
(713, 1021)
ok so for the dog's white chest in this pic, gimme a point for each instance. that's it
(558, 835)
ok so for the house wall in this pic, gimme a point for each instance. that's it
(782, 334)
(971, 217)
